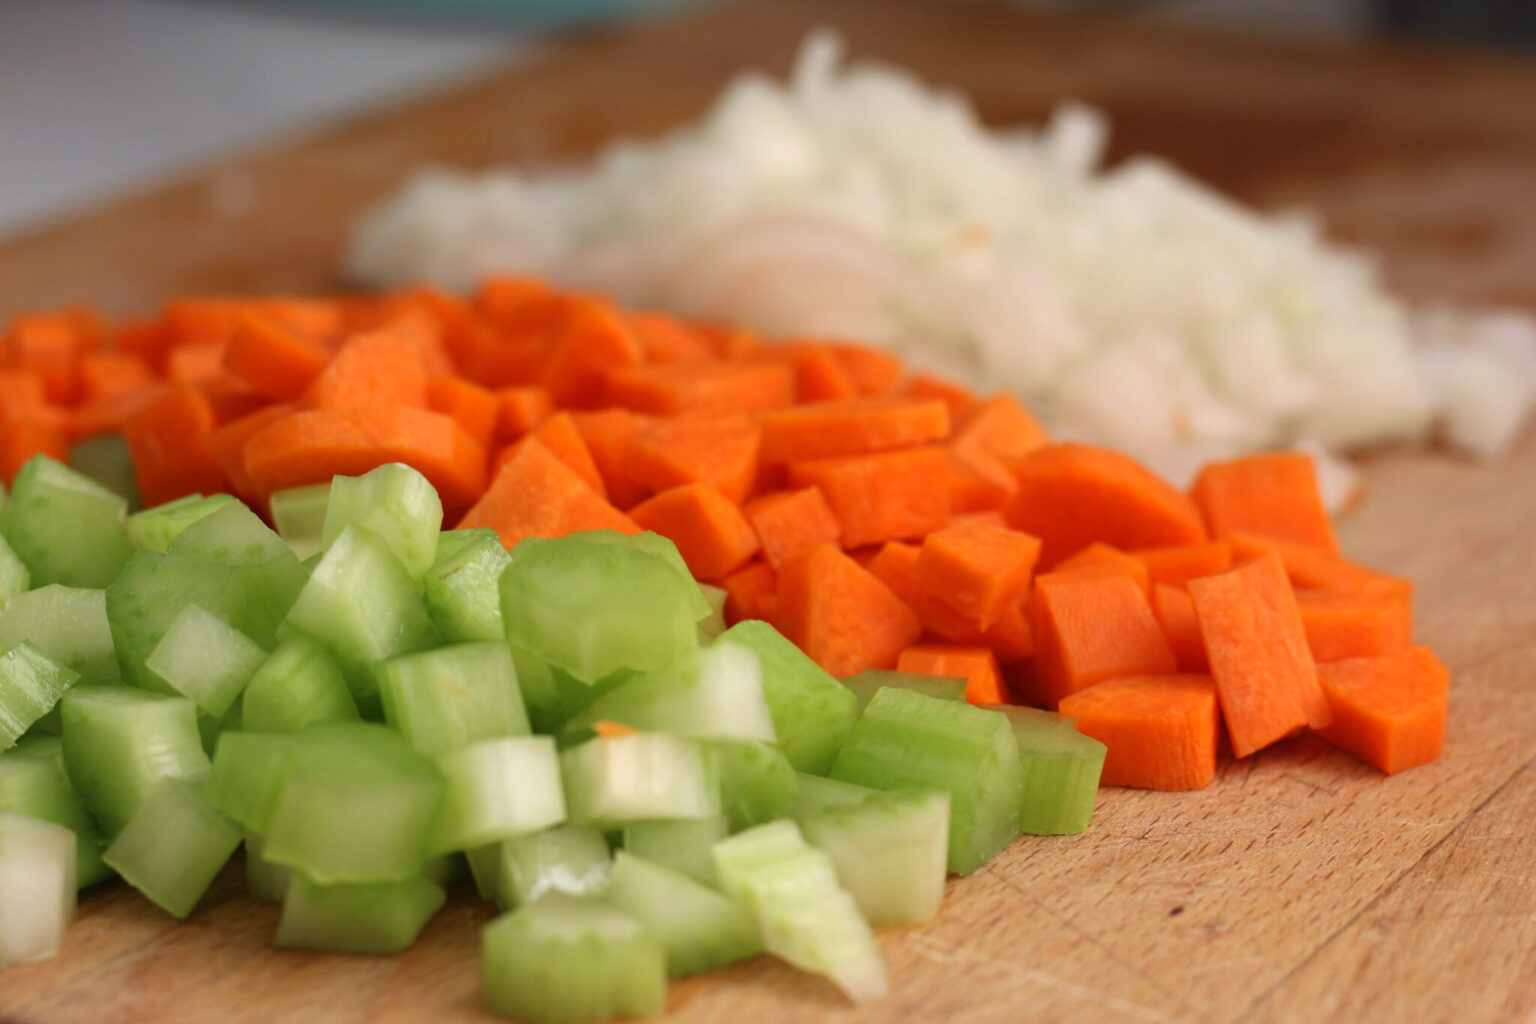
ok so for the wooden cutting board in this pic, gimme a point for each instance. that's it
(1301, 885)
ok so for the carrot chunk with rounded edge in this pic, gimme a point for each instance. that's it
(608, 434)
(875, 371)
(273, 359)
(975, 571)
(750, 592)
(23, 439)
(881, 496)
(591, 341)
(312, 445)
(893, 564)
(999, 427)
(1390, 711)
(558, 433)
(719, 450)
(1071, 495)
(1273, 494)
(380, 369)
(960, 400)
(168, 442)
(821, 429)
(1161, 731)
(1179, 564)
(534, 494)
(708, 528)
(476, 408)
(1175, 611)
(666, 339)
(840, 614)
(1091, 628)
(520, 410)
(791, 523)
(977, 665)
(1102, 558)
(1357, 624)
(819, 375)
(666, 389)
(1265, 675)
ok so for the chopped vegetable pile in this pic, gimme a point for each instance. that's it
(1132, 307)
(759, 617)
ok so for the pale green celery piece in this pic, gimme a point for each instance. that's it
(245, 780)
(1061, 770)
(664, 549)
(298, 513)
(812, 712)
(568, 959)
(757, 782)
(265, 882)
(463, 592)
(297, 686)
(496, 789)
(231, 535)
(572, 859)
(890, 852)
(866, 683)
(685, 845)
(69, 625)
(173, 846)
(205, 659)
(713, 624)
(450, 542)
(453, 695)
(37, 887)
(31, 684)
(145, 598)
(610, 781)
(397, 504)
(33, 782)
(105, 459)
(815, 793)
(699, 927)
(65, 526)
(153, 529)
(379, 917)
(14, 575)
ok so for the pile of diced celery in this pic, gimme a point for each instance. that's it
(374, 707)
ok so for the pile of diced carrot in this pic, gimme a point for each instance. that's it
(878, 518)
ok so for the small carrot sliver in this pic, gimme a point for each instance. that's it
(1161, 731)
(535, 494)
(841, 614)
(1390, 712)
(1091, 628)
(608, 729)
(880, 496)
(791, 523)
(976, 665)
(1175, 611)
(709, 529)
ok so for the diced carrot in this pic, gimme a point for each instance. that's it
(1091, 628)
(375, 370)
(608, 729)
(558, 433)
(105, 415)
(852, 427)
(277, 361)
(730, 342)
(1071, 495)
(229, 397)
(819, 375)
(193, 363)
(720, 450)
(1011, 637)
(1101, 558)
(608, 434)
(791, 523)
(960, 400)
(975, 571)
(666, 339)
(201, 320)
(23, 398)
(840, 614)
(591, 342)
(20, 441)
(520, 410)
(312, 445)
(1390, 711)
(167, 439)
(49, 346)
(495, 360)
(1175, 611)
(986, 517)
(709, 529)
(227, 442)
(890, 495)
(979, 482)
(1254, 636)
(1308, 567)
(149, 340)
(875, 371)
(1179, 564)
(113, 374)
(520, 307)
(534, 494)
(476, 408)
(1357, 623)
(893, 564)
(1161, 731)
(1273, 494)
(976, 665)
(999, 427)
(666, 389)
(751, 592)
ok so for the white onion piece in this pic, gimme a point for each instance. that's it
(37, 887)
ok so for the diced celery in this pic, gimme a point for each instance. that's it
(865, 684)
(394, 502)
(65, 526)
(298, 513)
(890, 852)
(463, 592)
(5, 507)
(806, 918)
(815, 793)
(567, 959)
(33, 782)
(120, 742)
(172, 846)
(757, 782)
(246, 778)
(14, 575)
(591, 608)
(572, 859)
(379, 917)
(613, 780)
(363, 606)
(1061, 771)
(356, 804)
(37, 887)
(708, 693)
(663, 548)
(542, 691)
(698, 927)
(259, 596)
(105, 459)
(31, 683)
(205, 659)
(153, 529)
(297, 686)
(265, 881)
(812, 712)
(496, 789)
(906, 739)
(713, 624)
(444, 698)
(69, 625)
(685, 845)
(231, 535)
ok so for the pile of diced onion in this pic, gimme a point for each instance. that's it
(1132, 307)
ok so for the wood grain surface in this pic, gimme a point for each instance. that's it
(1301, 885)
